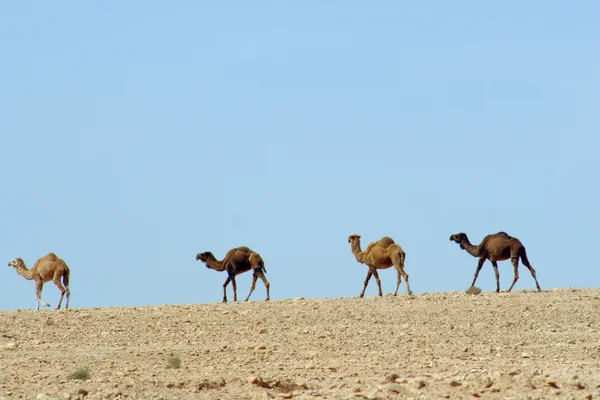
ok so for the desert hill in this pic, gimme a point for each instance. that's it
(522, 344)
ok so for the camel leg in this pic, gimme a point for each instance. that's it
(399, 264)
(60, 287)
(234, 288)
(259, 274)
(479, 266)
(369, 274)
(38, 294)
(254, 278)
(262, 276)
(532, 270)
(405, 275)
(68, 296)
(495, 265)
(398, 281)
(376, 275)
(515, 263)
(225, 288)
(402, 273)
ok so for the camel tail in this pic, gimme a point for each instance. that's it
(401, 256)
(66, 278)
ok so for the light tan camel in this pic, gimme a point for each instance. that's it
(497, 247)
(237, 261)
(46, 269)
(381, 254)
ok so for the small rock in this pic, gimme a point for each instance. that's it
(373, 395)
(418, 383)
(551, 382)
(66, 396)
(525, 355)
(298, 298)
(262, 330)
(260, 347)
(396, 388)
(112, 393)
(486, 382)
(454, 383)
(512, 373)
(42, 396)
(578, 384)
(10, 346)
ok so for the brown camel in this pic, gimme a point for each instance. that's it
(46, 269)
(237, 261)
(497, 247)
(381, 254)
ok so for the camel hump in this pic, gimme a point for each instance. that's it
(386, 241)
(51, 256)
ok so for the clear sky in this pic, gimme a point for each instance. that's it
(137, 134)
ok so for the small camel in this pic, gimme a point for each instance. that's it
(237, 261)
(381, 254)
(497, 247)
(46, 269)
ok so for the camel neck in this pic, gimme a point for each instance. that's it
(358, 253)
(215, 264)
(24, 272)
(469, 248)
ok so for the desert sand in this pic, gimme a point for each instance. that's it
(519, 345)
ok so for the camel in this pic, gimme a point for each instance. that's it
(497, 247)
(381, 254)
(237, 261)
(46, 269)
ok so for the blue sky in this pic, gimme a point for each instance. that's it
(138, 134)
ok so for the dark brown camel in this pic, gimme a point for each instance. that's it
(497, 247)
(381, 254)
(237, 261)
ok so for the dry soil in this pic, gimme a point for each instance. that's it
(444, 345)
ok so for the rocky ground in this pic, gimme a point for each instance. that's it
(516, 345)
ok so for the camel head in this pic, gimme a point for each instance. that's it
(459, 238)
(16, 262)
(354, 239)
(204, 257)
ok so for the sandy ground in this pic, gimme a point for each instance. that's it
(516, 345)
